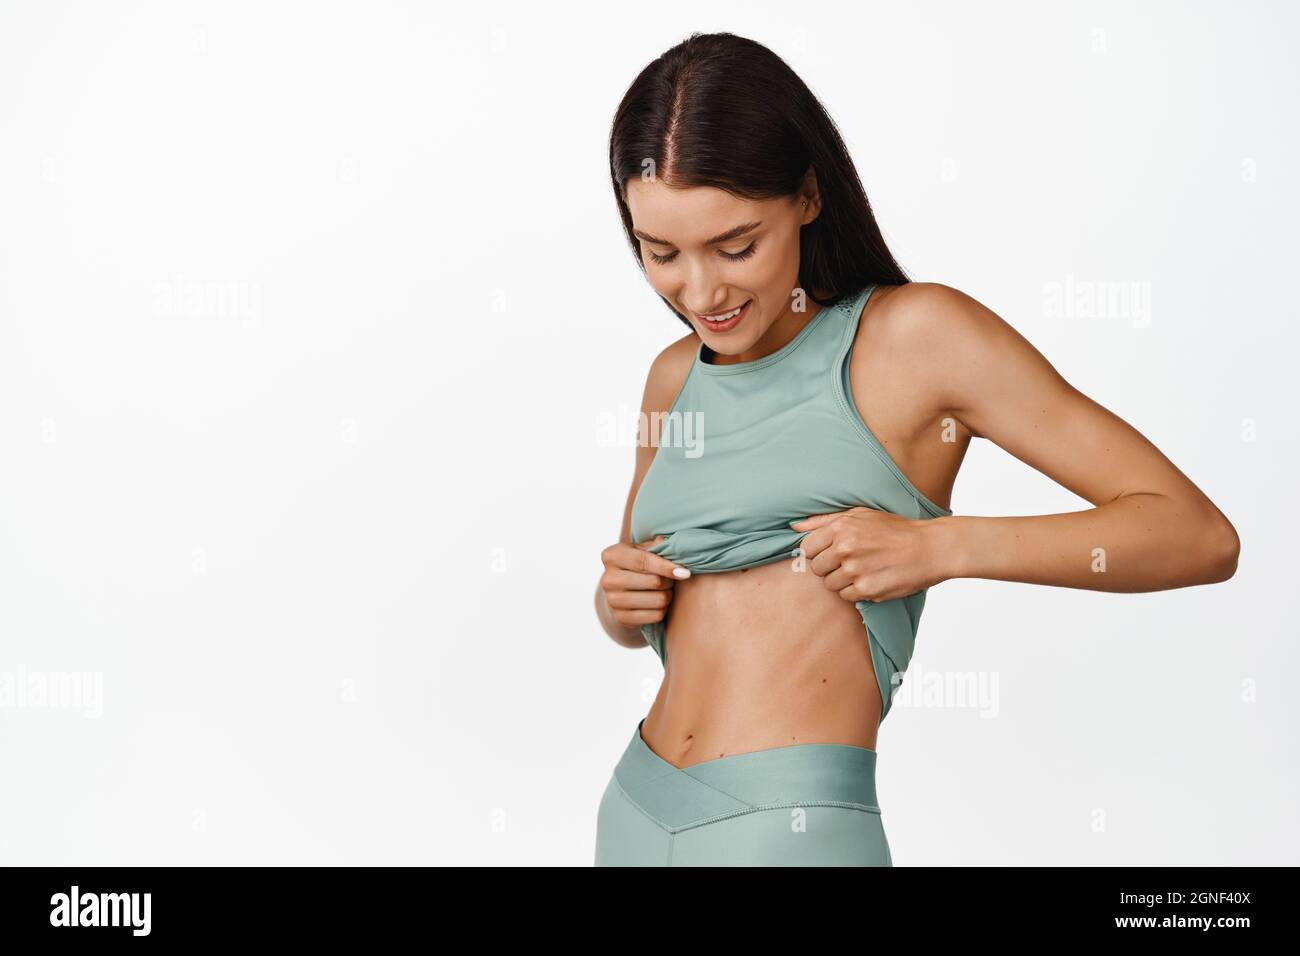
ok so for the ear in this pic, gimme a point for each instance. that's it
(810, 196)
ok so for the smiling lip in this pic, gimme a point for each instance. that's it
(728, 325)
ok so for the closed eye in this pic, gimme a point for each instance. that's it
(733, 256)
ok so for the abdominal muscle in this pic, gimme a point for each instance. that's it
(760, 658)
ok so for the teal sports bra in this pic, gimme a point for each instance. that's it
(749, 447)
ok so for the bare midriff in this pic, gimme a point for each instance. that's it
(760, 658)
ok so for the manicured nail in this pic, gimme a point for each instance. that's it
(681, 573)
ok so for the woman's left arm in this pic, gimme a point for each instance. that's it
(1150, 528)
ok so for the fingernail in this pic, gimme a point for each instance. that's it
(681, 573)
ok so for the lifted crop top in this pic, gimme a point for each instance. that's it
(747, 448)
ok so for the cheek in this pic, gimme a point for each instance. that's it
(771, 260)
(764, 275)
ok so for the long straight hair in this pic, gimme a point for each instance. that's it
(721, 110)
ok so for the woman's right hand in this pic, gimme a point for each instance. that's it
(638, 584)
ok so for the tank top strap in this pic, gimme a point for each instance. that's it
(821, 345)
(850, 309)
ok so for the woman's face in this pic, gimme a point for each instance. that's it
(708, 252)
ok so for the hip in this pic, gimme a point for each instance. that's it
(796, 805)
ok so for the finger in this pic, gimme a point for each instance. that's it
(825, 564)
(638, 600)
(621, 579)
(650, 563)
(634, 618)
(837, 579)
(853, 593)
(815, 542)
(813, 521)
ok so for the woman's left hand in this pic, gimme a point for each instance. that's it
(869, 555)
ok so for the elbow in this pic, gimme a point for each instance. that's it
(1221, 551)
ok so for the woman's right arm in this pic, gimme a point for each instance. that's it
(638, 582)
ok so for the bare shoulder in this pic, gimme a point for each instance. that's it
(927, 315)
(668, 372)
(964, 352)
(951, 330)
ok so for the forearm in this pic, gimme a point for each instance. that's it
(619, 633)
(1138, 542)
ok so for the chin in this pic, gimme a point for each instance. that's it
(731, 349)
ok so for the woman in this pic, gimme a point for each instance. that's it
(785, 523)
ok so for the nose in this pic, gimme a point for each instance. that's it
(702, 303)
(701, 293)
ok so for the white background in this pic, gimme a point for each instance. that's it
(310, 315)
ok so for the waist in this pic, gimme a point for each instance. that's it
(800, 774)
(759, 658)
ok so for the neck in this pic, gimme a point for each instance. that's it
(778, 335)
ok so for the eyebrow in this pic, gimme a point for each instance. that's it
(730, 234)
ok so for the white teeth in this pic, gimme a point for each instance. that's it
(723, 318)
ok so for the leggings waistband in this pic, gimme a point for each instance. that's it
(797, 775)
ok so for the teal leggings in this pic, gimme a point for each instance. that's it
(801, 805)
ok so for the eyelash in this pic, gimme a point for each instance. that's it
(734, 257)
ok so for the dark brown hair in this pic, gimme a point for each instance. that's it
(724, 111)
